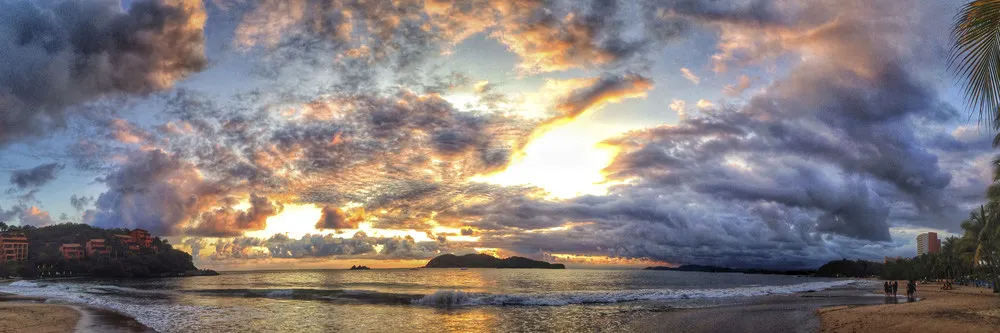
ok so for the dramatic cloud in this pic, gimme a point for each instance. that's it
(228, 222)
(547, 36)
(360, 245)
(61, 53)
(375, 113)
(158, 192)
(335, 218)
(35, 177)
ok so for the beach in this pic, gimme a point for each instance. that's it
(41, 318)
(31, 314)
(768, 314)
(963, 309)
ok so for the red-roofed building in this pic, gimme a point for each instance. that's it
(96, 247)
(71, 251)
(13, 247)
(129, 242)
(141, 237)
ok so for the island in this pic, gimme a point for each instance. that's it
(487, 261)
(358, 267)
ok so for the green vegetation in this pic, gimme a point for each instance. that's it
(849, 268)
(45, 260)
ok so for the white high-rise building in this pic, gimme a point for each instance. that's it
(928, 243)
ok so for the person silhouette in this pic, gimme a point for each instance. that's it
(886, 289)
(911, 289)
(895, 288)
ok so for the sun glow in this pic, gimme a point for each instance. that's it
(566, 161)
(604, 260)
(297, 220)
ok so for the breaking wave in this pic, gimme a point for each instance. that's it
(455, 298)
(160, 316)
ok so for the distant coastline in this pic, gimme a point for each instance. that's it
(487, 261)
(717, 269)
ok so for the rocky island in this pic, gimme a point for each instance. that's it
(487, 261)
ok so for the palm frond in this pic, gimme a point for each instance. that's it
(975, 56)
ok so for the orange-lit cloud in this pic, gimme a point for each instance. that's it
(584, 259)
(690, 76)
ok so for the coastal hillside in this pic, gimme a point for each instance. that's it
(487, 261)
(717, 269)
(71, 249)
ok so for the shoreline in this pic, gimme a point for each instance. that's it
(963, 309)
(33, 314)
(765, 314)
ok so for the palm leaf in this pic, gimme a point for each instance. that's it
(975, 56)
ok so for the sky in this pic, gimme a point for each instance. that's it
(321, 133)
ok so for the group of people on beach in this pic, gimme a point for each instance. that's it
(892, 288)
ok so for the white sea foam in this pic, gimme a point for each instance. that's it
(23, 284)
(162, 317)
(454, 298)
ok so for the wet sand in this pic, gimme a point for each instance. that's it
(770, 314)
(964, 309)
(31, 314)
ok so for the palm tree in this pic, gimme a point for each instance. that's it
(975, 57)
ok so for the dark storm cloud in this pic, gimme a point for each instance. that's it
(80, 203)
(158, 192)
(35, 177)
(62, 53)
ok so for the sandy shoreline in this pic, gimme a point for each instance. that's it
(767, 314)
(964, 309)
(36, 317)
(31, 314)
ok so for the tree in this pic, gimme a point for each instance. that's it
(975, 56)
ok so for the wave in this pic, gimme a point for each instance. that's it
(455, 298)
(161, 316)
(330, 295)
(156, 309)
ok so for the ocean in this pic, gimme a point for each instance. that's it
(425, 300)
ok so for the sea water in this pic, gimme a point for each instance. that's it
(403, 300)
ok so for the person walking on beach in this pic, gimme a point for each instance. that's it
(911, 288)
(895, 288)
(885, 288)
